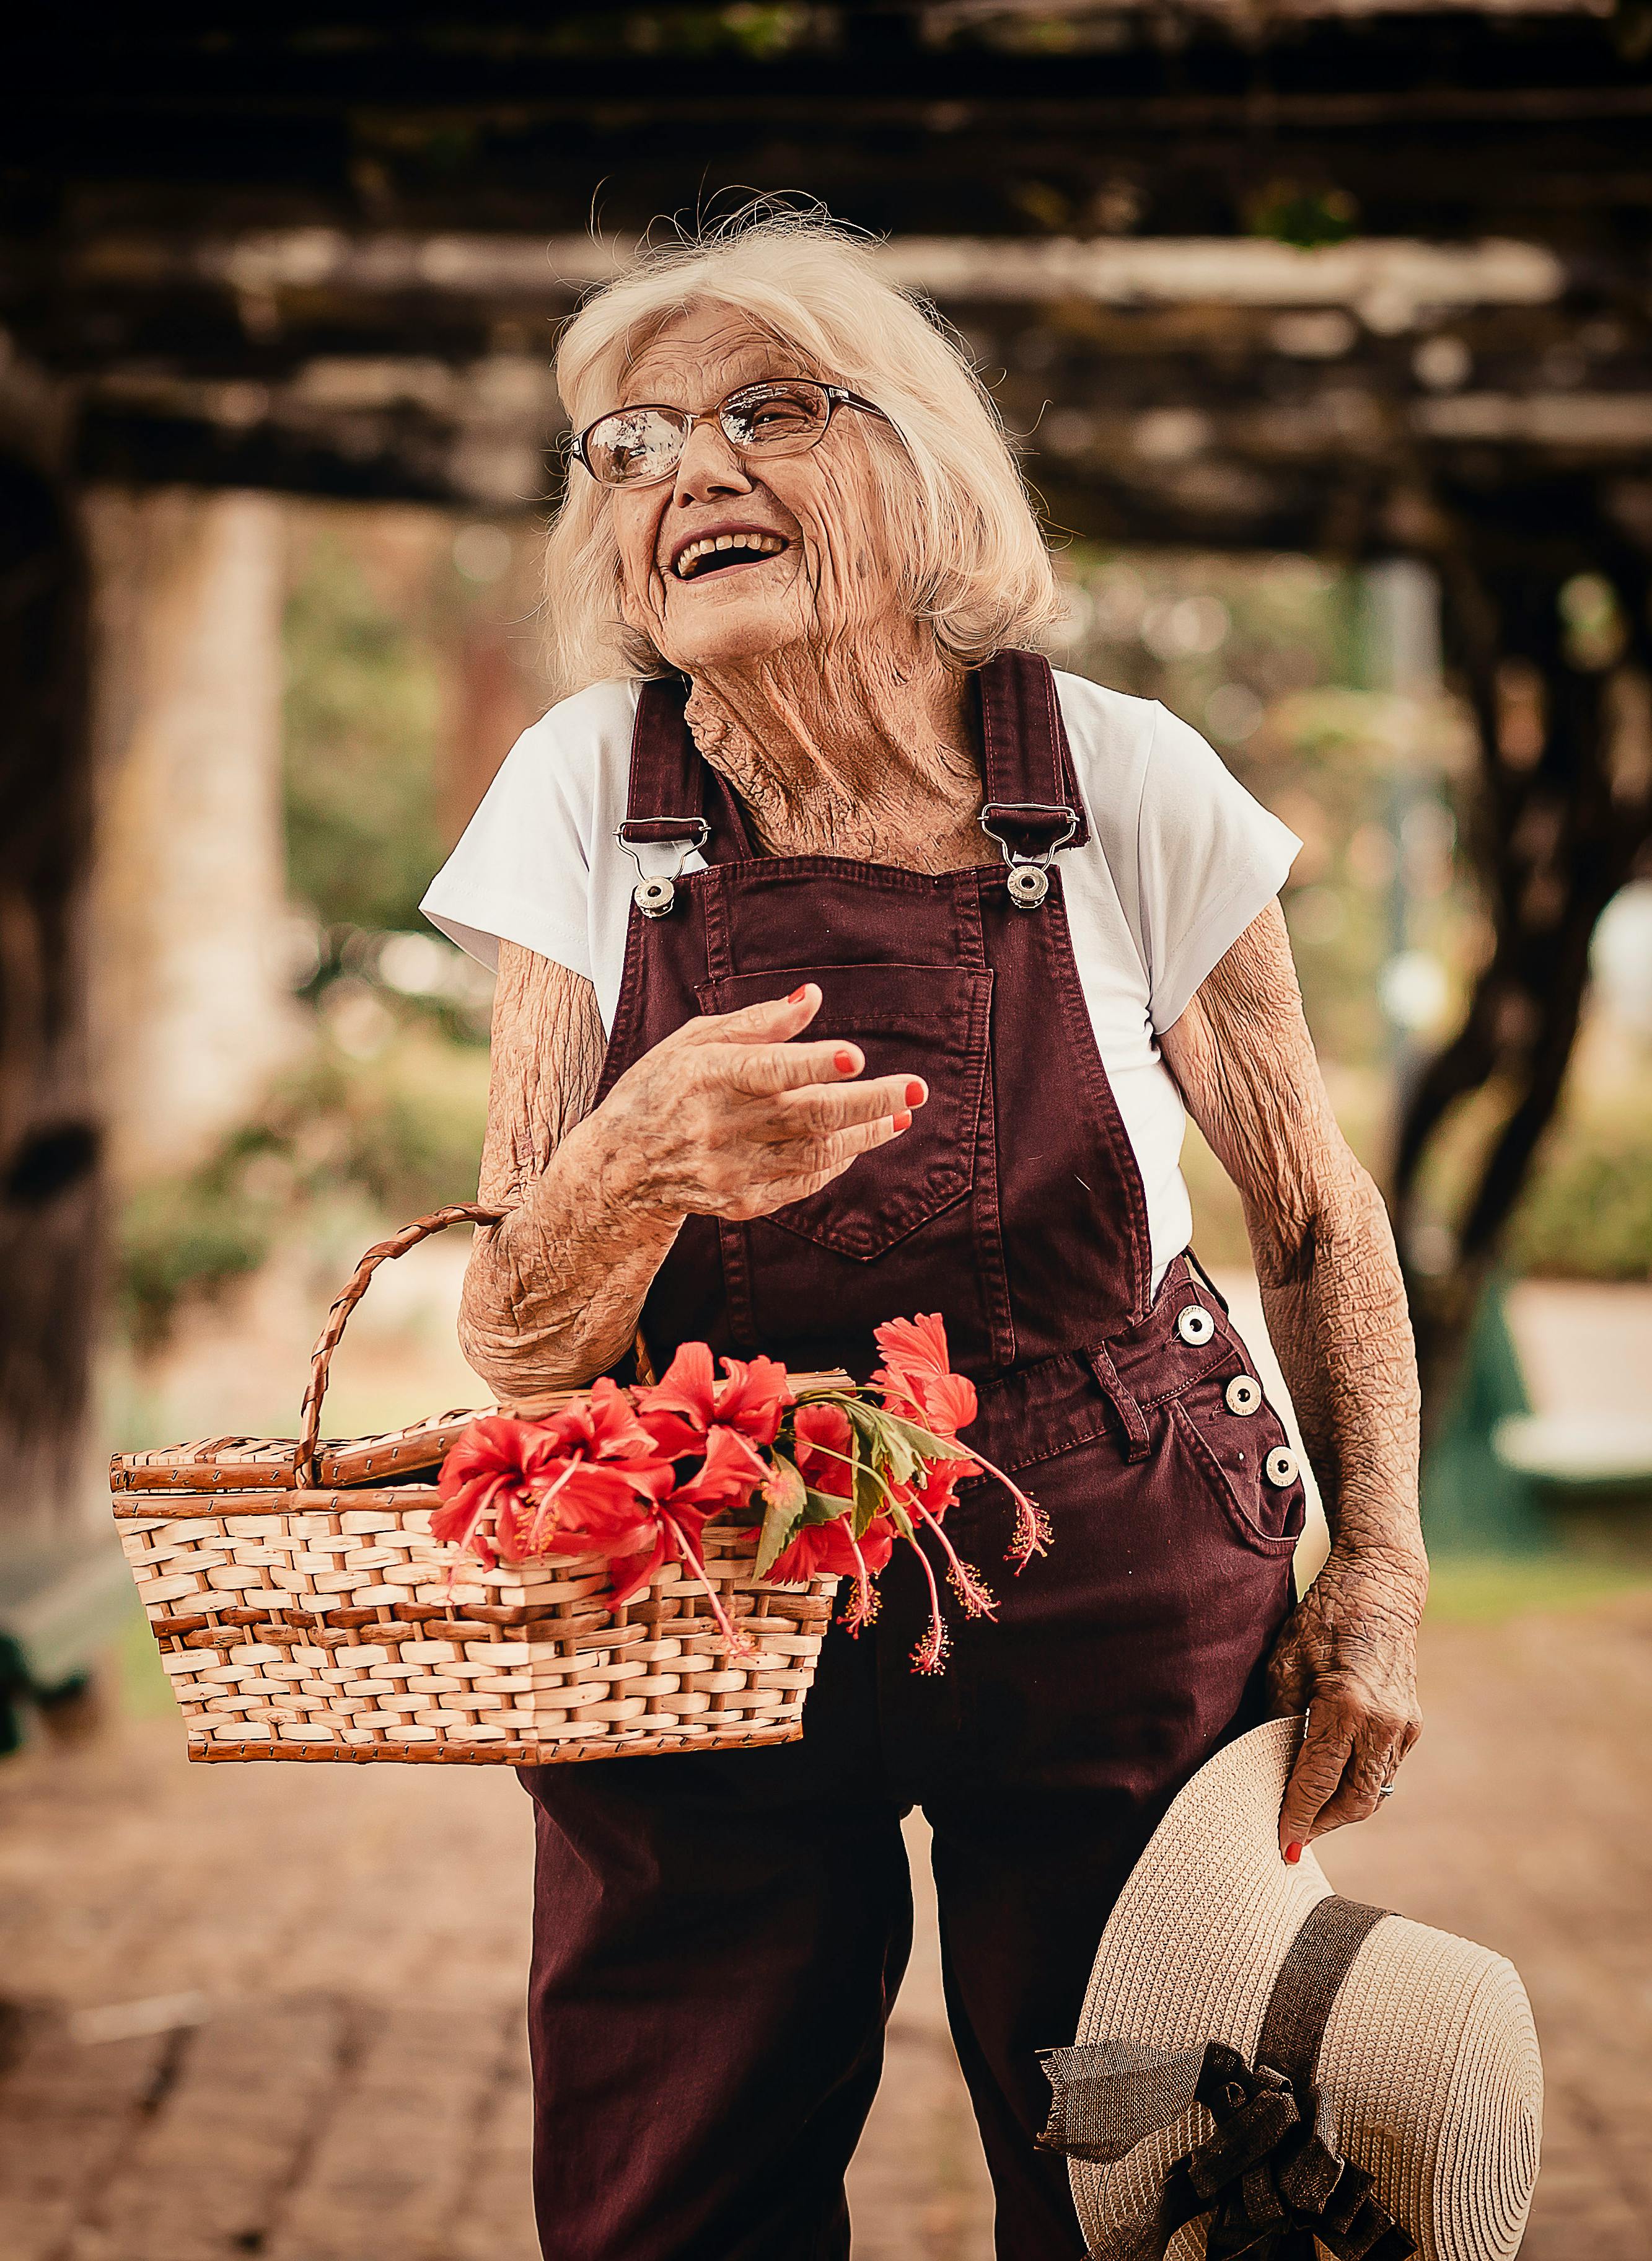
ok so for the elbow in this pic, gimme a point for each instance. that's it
(1339, 1213)
(517, 1355)
(491, 1340)
(487, 1350)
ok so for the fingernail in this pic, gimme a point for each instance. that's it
(844, 1060)
(1293, 1854)
(903, 1121)
(916, 1093)
(797, 995)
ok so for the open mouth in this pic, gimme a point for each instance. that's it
(717, 553)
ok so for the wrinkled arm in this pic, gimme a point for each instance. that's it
(552, 1297)
(1335, 1306)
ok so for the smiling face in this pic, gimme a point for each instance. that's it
(729, 561)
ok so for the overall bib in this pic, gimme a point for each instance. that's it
(719, 1936)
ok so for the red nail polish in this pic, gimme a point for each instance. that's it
(844, 1060)
(915, 1095)
(797, 995)
(1293, 1854)
(903, 1121)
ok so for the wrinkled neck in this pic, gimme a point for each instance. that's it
(865, 749)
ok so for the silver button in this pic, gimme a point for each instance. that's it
(1280, 1466)
(653, 898)
(1029, 884)
(1195, 1324)
(1243, 1393)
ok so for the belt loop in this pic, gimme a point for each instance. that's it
(1130, 1414)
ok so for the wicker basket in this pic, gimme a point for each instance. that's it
(304, 1612)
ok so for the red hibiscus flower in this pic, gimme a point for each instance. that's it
(917, 1382)
(688, 1400)
(601, 1425)
(917, 1379)
(825, 1449)
(487, 1474)
(583, 1507)
(831, 1550)
(730, 1473)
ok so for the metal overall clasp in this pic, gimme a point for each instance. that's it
(1029, 875)
(655, 896)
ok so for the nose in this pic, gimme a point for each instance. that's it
(708, 466)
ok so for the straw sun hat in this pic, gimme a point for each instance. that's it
(1415, 2051)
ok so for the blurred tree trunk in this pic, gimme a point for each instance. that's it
(49, 1203)
(1563, 813)
(193, 1013)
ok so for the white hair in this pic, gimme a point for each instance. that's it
(969, 552)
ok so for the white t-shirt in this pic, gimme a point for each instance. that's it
(1180, 859)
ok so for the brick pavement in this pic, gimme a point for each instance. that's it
(352, 2086)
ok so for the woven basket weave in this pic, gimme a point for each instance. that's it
(304, 1612)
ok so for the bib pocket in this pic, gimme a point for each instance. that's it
(931, 1021)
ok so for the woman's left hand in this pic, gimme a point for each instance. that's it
(1347, 1657)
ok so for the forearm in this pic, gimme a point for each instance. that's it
(552, 1295)
(1335, 1307)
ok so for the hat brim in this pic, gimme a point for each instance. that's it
(1193, 1945)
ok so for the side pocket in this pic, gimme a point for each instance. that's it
(1228, 1451)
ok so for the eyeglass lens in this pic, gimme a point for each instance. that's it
(784, 417)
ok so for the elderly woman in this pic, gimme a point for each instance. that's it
(854, 963)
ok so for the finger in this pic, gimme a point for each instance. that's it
(819, 1110)
(829, 1158)
(772, 1021)
(1314, 1781)
(761, 1071)
(1373, 1763)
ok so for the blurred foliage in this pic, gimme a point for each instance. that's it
(402, 1128)
(1588, 1211)
(1275, 661)
(1272, 659)
(1306, 216)
(363, 713)
(1489, 1589)
(185, 1237)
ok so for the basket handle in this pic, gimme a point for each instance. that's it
(349, 1297)
(337, 1318)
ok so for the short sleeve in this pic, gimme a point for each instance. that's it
(1209, 857)
(522, 871)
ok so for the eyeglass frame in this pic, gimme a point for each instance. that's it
(837, 395)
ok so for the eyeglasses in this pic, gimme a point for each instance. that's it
(782, 416)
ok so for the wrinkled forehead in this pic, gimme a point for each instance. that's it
(693, 356)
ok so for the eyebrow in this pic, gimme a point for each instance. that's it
(633, 395)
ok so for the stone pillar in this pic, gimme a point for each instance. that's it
(191, 1008)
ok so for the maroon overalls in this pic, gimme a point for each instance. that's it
(719, 1936)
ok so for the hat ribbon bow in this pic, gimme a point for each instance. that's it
(1268, 2175)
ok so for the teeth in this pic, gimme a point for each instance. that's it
(767, 545)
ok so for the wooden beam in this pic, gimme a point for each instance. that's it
(1456, 121)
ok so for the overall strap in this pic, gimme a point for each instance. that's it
(667, 802)
(1032, 790)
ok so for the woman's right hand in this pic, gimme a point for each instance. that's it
(727, 1117)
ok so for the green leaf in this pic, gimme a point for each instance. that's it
(878, 1442)
(927, 1446)
(824, 1507)
(871, 1498)
(785, 1498)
